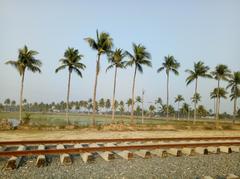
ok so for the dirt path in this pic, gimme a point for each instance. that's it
(85, 134)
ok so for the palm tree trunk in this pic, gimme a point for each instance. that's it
(167, 92)
(21, 96)
(68, 93)
(113, 99)
(234, 109)
(195, 104)
(178, 110)
(142, 108)
(95, 90)
(133, 87)
(217, 104)
(214, 105)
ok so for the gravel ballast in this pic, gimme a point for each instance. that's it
(215, 165)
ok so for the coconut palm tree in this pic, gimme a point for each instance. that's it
(200, 70)
(129, 103)
(152, 109)
(234, 84)
(185, 109)
(116, 61)
(101, 104)
(179, 99)
(26, 61)
(196, 98)
(221, 72)
(218, 93)
(213, 95)
(71, 60)
(102, 45)
(170, 64)
(139, 58)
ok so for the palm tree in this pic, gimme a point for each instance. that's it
(170, 65)
(200, 70)
(221, 72)
(234, 84)
(116, 61)
(213, 95)
(26, 60)
(121, 107)
(196, 98)
(178, 99)
(72, 61)
(159, 103)
(101, 103)
(185, 109)
(102, 45)
(108, 104)
(7, 103)
(139, 58)
(218, 93)
(129, 103)
(152, 109)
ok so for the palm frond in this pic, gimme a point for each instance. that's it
(78, 72)
(139, 68)
(91, 43)
(60, 68)
(109, 67)
(34, 68)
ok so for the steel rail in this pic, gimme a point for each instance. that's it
(74, 141)
(114, 148)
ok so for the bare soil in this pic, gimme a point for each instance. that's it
(94, 134)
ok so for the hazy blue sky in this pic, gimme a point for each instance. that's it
(207, 30)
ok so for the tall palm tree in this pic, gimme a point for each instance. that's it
(102, 45)
(200, 70)
(213, 95)
(218, 93)
(139, 58)
(221, 72)
(116, 61)
(196, 98)
(170, 64)
(234, 84)
(129, 103)
(26, 60)
(185, 109)
(72, 61)
(179, 99)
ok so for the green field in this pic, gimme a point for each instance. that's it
(84, 120)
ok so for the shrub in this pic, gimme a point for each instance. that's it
(26, 118)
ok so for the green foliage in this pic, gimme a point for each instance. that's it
(170, 64)
(200, 70)
(26, 118)
(72, 61)
(221, 72)
(115, 58)
(26, 60)
(139, 57)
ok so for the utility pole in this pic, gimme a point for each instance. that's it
(142, 107)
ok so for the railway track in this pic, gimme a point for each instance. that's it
(88, 149)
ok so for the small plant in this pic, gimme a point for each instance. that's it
(99, 127)
(26, 118)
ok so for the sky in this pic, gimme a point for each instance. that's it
(190, 30)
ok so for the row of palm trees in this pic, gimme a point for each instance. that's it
(140, 57)
(103, 106)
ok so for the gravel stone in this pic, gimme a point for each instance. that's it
(185, 167)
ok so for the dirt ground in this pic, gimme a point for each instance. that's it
(94, 134)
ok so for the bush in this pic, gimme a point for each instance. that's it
(26, 118)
